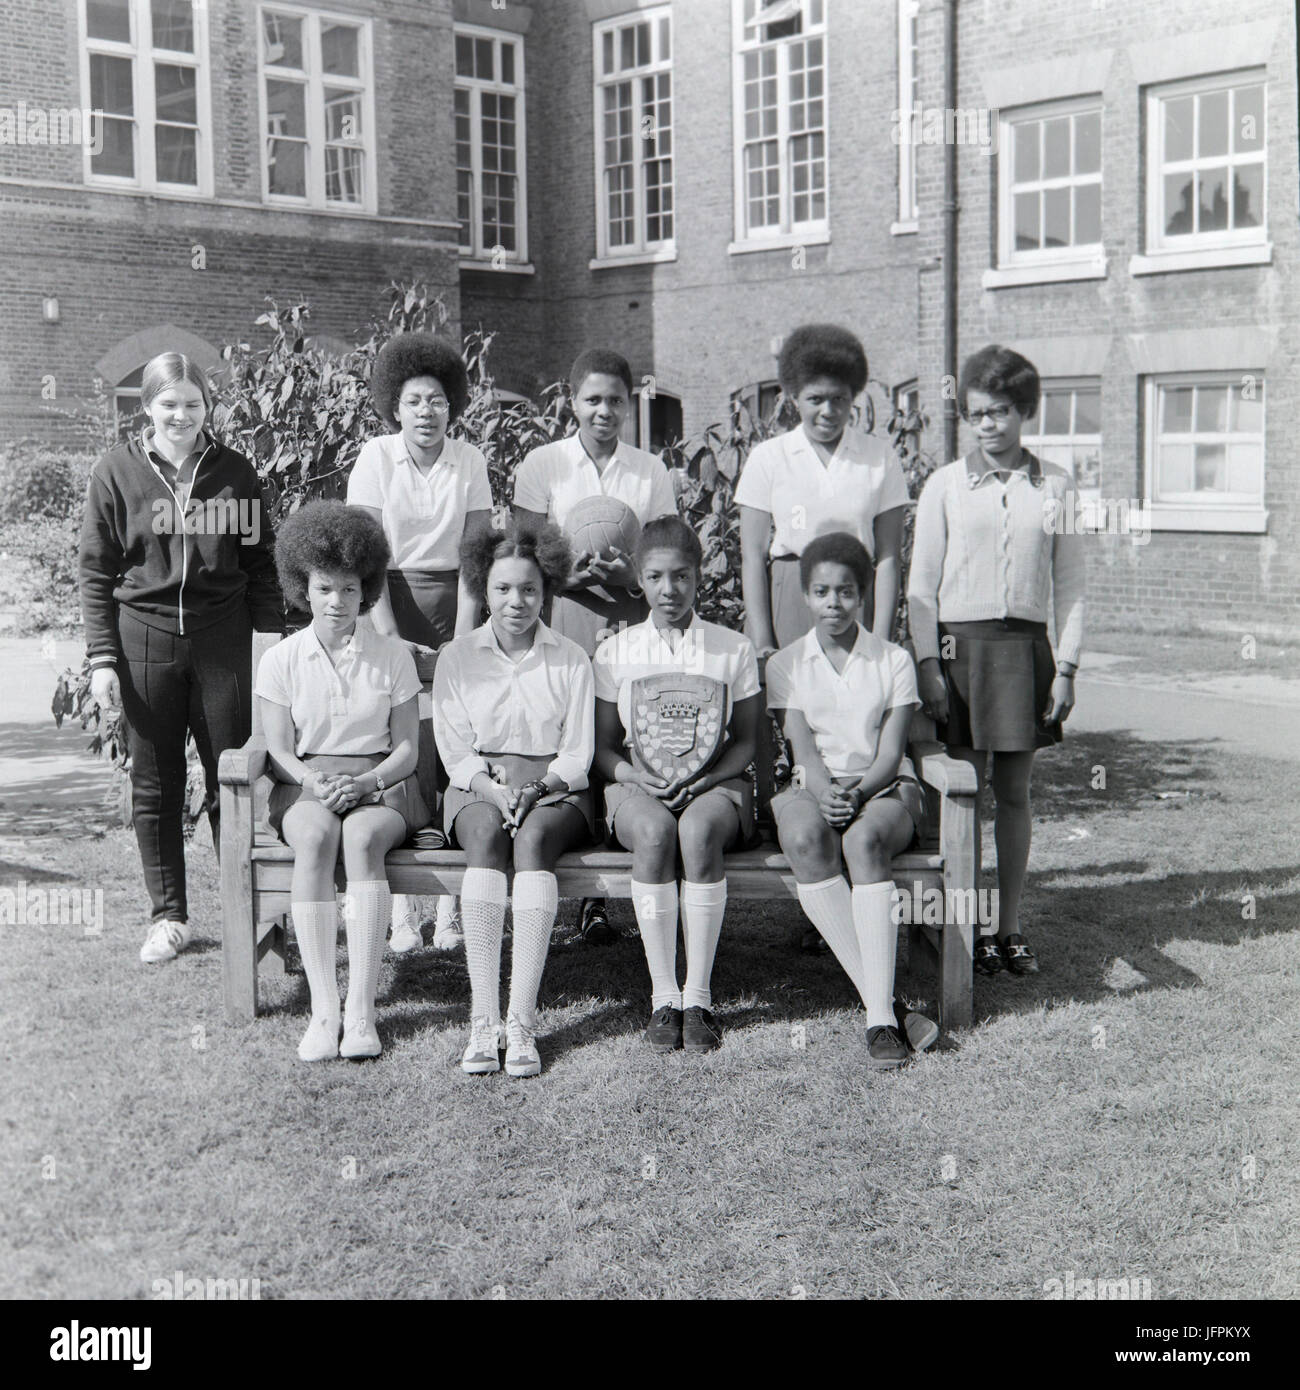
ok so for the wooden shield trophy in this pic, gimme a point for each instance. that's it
(679, 723)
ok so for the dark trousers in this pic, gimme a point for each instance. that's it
(172, 685)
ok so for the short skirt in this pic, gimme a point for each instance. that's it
(737, 792)
(424, 605)
(518, 769)
(586, 616)
(907, 791)
(404, 797)
(999, 683)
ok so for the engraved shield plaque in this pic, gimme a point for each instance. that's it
(679, 723)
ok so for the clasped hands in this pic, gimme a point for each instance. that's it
(337, 791)
(615, 568)
(675, 794)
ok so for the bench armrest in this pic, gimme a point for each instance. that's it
(241, 767)
(947, 775)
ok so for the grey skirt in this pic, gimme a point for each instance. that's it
(424, 605)
(585, 616)
(999, 683)
(518, 768)
(404, 797)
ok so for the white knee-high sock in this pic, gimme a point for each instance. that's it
(483, 915)
(873, 919)
(703, 907)
(656, 915)
(316, 925)
(829, 905)
(535, 900)
(369, 908)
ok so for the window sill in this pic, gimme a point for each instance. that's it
(1203, 258)
(1002, 277)
(904, 228)
(497, 268)
(785, 242)
(1164, 517)
(641, 258)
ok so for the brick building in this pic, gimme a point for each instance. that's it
(686, 180)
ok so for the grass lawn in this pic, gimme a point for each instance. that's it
(1128, 1113)
(1190, 656)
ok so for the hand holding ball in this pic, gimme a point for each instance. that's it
(599, 526)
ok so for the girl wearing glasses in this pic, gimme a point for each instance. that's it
(428, 491)
(989, 556)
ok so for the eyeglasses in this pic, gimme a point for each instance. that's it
(994, 412)
(438, 407)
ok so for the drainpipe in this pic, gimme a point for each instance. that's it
(950, 415)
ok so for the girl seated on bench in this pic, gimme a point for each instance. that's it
(698, 798)
(339, 708)
(845, 698)
(513, 721)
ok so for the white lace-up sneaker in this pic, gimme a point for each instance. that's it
(360, 1039)
(321, 1040)
(166, 940)
(481, 1053)
(522, 1057)
(447, 934)
(406, 934)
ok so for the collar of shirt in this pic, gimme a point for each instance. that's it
(978, 469)
(355, 646)
(658, 633)
(866, 645)
(201, 446)
(578, 453)
(852, 446)
(486, 638)
(401, 454)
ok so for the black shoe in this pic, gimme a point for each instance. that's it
(987, 956)
(813, 942)
(921, 1032)
(1020, 956)
(885, 1048)
(700, 1031)
(664, 1031)
(595, 929)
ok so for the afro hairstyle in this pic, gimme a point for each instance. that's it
(410, 355)
(332, 538)
(998, 371)
(599, 362)
(546, 546)
(821, 349)
(836, 548)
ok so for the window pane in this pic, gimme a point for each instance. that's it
(285, 108)
(1213, 135)
(642, 44)
(110, 85)
(282, 35)
(665, 39)
(508, 63)
(1179, 115)
(1248, 408)
(340, 52)
(1246, 469)
(1087, 410)
(464, 56)
(117, 156)
(342, 114)
(1211, 468)
(1248, 195)
(1026, 150)
(1056, 148)
(607, 52)
(1211, 409)
(1177, 410)
(343, 175)
(1087, 143)
(1087, 469)
(1175, 470)
(1179, 216)
(174, 93)
(286, 172)
(1056, 217)
(109, 19)
(627, 47)
(1056, 412)
(483, 65)
(1248, 125)
(176, 153)
(1027, 222)
(1213, 186)
(1087, 214)
(173, 25)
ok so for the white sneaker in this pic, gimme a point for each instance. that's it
(447, 934)
(321, 1040)
(522, 1057)
(482, 1051)
(360, 1039)
(406, 935)
(165, 941)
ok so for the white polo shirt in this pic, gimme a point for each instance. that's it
(424, 518)
(555, 478)
(703, 649)
(844, 709)
(806, 498)
(483, 702)
(343, 709)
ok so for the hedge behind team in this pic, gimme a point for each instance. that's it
(984, 571)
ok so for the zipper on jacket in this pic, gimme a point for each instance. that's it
(180, 517)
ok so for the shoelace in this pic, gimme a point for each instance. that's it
(483, 1037)
(520, 1035)
(357, 1025)
(171, 932)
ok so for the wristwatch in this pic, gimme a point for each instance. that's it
(538, 785)
(380, 784)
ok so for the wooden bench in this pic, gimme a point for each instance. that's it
(256, 868)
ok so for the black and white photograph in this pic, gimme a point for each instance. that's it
(650, 650)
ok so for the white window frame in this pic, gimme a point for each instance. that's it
(315, 108)
(1183, 512)
(490, 257)
(909, 97)
(1247, 246)
(143, 56)
(636, 423)
(643, 250)
(901, 393)
(789, 234)
(1089, 497)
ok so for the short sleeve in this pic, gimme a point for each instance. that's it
(364, 484)
(273, 677)
(479, 496)
(745, 682)
(780, 679)
(755, 486)
(406, 679)
(904, 680)
(531, 491)
(663, 498)
(893, 491)
(602, 670)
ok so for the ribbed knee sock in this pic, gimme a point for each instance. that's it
(482, 916)
(873, 919)
(655, 905)
(370, 905)
(316, 926)
(534, 903)
(829, 906)
(703, 907)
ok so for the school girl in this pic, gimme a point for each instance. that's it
(845, 699)
(691, 815)
(820, 476)
(600, 595)
(513, 721)
(987, 564)
(176, 571)
(428, 491)
(340, 711)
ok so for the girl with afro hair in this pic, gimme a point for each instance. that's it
(428, 491)
(339, 707)
(513, 718)
(821, 476)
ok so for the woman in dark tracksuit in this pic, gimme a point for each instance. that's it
(176, 572)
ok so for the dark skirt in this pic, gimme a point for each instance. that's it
(518, 768)
(738, 792)
(424, 605)
(907, 791)
(587, 616)
(999, 684)
(403, 797)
